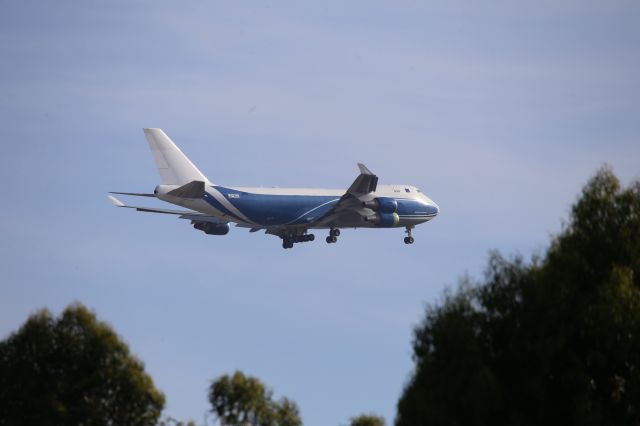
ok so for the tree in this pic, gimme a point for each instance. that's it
(170, 421)
(73, 370)
(240, 400)
(367, 420)
(550, 341)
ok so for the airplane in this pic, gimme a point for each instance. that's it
(288, 213)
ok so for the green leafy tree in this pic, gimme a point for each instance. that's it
(170, 421)
(240, 400)
(553, 341)
(367, 420)
(73, 370)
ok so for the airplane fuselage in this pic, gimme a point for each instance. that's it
(301, 207)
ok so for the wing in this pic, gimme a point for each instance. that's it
(365, 183)
(182, 214)
(349, 208)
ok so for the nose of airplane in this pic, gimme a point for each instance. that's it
(435, 208)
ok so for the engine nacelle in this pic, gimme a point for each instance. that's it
(382, 205)
(387, 220)
(211, 228)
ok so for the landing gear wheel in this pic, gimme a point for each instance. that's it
(408, 239)
(333, 235)
(287, 243)
(311, 237)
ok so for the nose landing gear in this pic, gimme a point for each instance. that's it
(408, 239)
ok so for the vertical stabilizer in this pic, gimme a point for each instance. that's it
(174, 167)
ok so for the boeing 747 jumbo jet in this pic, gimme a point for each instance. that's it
(289, 213)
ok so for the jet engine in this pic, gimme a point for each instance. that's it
(382, 205)
(211, 228)
(386, 220)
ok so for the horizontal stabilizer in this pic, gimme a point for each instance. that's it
(193, 189)
(135, 194)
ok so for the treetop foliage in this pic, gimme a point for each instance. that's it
(367, 420)
(73, 370)
(240, 400)
(555, 340)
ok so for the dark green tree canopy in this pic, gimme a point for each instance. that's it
(170, 421)
(240, 400)
(367, 420)
(73, 370)
(553, 341)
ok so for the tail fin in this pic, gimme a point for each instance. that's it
(174, 167)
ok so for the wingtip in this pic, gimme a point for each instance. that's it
(115, 201)
(364, 169)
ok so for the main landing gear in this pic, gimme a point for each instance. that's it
(408, 239)
(333, 235)
(289, 240)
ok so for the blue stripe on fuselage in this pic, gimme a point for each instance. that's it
(271, 210)
(216, 204)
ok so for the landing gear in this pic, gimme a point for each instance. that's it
(303, 238)
(333, 235)
(408, 239)
(287, 243)
(289, 240)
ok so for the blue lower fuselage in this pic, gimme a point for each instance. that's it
(269, 210)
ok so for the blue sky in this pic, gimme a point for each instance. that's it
(499, 112)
